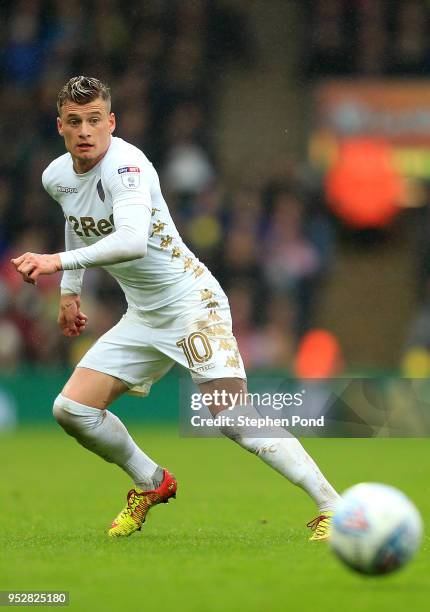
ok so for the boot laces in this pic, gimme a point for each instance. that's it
(133, 500)
(315, 524)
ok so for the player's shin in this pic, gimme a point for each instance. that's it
(102, 432)
(284, 453)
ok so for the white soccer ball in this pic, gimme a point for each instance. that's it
(376, 529)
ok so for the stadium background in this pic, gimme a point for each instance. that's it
(242, 107)
(223, 98)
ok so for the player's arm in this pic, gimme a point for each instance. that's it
(131, 202)
(71, 282)
(132, 217)
(71, 320)
(129, 241)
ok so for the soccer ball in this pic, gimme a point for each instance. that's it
(376, 529)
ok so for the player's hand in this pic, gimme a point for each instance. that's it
(71, 320)
(31, 265)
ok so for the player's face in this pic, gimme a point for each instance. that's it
(86, 129)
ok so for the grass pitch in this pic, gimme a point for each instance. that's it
(234, 539)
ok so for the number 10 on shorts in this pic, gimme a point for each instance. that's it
(196, 347)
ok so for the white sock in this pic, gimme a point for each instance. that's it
(101, 432)
(284, 454)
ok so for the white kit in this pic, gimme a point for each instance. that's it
(119, 203)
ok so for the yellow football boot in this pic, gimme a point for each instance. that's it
(321, 526)
(132, 517)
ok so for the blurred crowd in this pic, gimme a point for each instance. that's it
(376, 38)
(416, 355)
(269, 241)
(368, 38)
(269, 244)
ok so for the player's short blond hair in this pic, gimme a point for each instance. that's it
(81, 90)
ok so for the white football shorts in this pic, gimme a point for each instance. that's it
(196, 332)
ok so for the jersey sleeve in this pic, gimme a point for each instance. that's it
(129, 183)
(127, 242)
(45, 182)
(71, 282)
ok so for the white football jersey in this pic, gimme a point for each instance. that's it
(169, 270)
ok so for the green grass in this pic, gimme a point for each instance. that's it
(233, 540)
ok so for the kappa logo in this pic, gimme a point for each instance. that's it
(62, 189)
(130, 176)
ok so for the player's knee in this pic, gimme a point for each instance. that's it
(241, 426)
(251, 444)
(59, 411)
(231, 431)
(74, 417)
(235, 427)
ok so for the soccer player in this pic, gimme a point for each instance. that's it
(116, 218)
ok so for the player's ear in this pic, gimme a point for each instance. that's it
(112, 123)
(60, 126)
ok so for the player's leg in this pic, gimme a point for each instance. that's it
(283, 453)
(201, 340)
(120, 361)
(207, 347)
(81, 409)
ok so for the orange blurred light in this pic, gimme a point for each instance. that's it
(364, 187)
(318, 356)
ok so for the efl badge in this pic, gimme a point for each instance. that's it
(130, 176)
